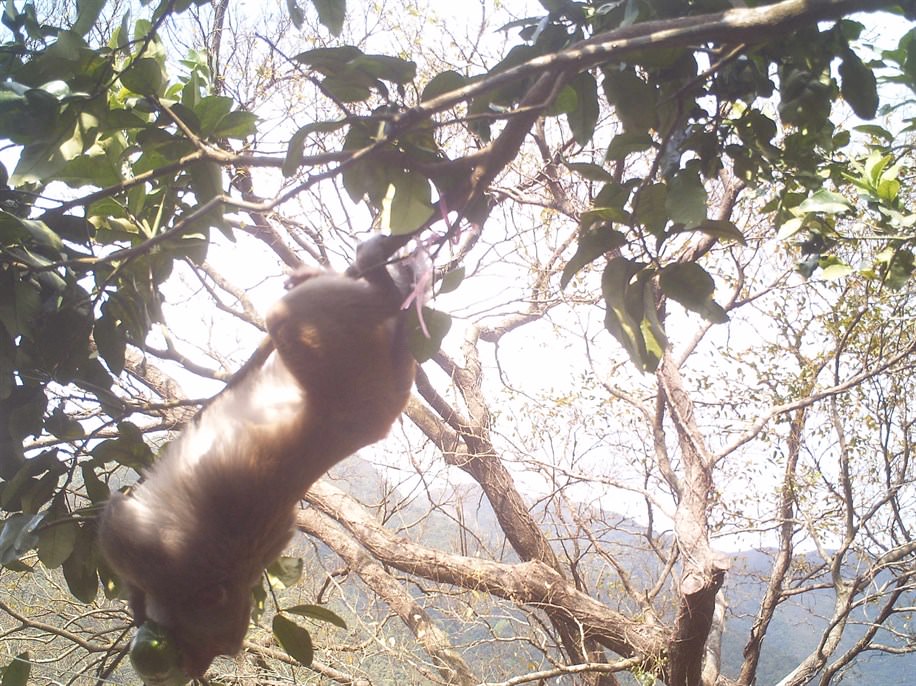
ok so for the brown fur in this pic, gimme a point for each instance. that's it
(218, 506)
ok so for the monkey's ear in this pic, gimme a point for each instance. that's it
(129, 538)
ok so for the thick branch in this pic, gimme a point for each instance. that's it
(531, 583)
(732, 26)
(704, 571)
(428, 634)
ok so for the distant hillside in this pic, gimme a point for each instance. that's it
(793, 633)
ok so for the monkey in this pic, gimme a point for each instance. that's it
(192, 539)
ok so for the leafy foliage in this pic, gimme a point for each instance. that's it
(16, 673)
(127, 160)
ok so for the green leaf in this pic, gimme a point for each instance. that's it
(329, 61)
(206, 180)
(63, 426)
(295, 640)
(96, 489)
(613, 195)
(28, 117)
(17, 672)
(87, 13)
(826, 202)
(294, 153)
(296, 15)
(80, 568)
(426, 336)
(40, 492)
(210, 110)
(874, 167)
(624, 144)
(841, 139)
(565, 102)
(45, 463)
(451, 280)
(37, 163)
(805, 99)
(56, 542)
(144, 76)
(331, 13)
(188, 117)
(385, 67)
(24, 409)
(322, 614)
(634, 100)
(790, 228)
(17, 536)
(591, 172)
(37, 231)
(366, 177)
(875, 131)
(111, 340)
(897, 267)
(69, 227)
(127, 449)
(408, 204)
(599, 215)
(593, 244)
(176, 7)
(719, 228)
(651, 328)
(835, 270)
(583, 119)
(237, 125)
(443, 82)
(92, 169)
(859, 86)
(686, 199)
(650, 207)
(625, 303)
(690, 285)
(888, 190)
(285, 571)
(346, 90)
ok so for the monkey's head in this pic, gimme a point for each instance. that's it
(194, 585)
(204, 622)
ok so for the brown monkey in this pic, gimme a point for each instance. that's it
(192, 540)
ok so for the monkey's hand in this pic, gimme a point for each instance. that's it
(301, 275)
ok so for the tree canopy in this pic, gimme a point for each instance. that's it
(665, 407)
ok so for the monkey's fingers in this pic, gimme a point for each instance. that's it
(303, 273)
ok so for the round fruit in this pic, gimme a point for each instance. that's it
(155, 657)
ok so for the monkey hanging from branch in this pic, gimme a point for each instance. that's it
(192, 539)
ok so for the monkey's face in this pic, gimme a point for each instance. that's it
(195, 587)
(204, 623)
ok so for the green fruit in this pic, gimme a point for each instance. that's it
(155, 657)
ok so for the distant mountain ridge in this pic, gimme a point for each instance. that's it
(794, 632)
